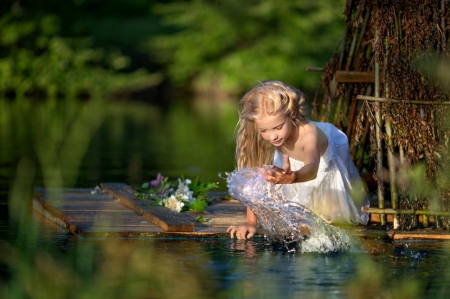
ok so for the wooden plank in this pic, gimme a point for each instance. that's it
(121, 223)
(375, 218)
(92, 227)
(65, 191)
(80, 198)
(390, 101)
(420, 234)
(222, 214)
(126, 215)
(355, 77)
(82, 212)
(42, 206)
(103, 207)
(405, 211)
(52, 216)
(167, 219)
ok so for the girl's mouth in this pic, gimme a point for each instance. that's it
(276, 142)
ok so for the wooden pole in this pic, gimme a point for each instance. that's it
(350, 55)
(360, 161)
(390, 152)
(391, 162)
(402, 154)
(363, 31)
(378, 125)
(427, 153)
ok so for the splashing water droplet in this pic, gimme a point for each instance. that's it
(287, 224)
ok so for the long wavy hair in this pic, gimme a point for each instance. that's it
(267, 98)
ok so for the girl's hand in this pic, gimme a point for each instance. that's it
(279, 175)
(242, 232)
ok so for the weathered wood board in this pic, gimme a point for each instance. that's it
(167, 219)
(116, 210)
(80, 211)
(355, 77)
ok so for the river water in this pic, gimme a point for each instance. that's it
(81, 144)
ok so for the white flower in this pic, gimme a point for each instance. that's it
(183, 191)
(172, 203)
(182, 197)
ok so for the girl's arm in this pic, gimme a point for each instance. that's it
(251, 218)
(311, 160)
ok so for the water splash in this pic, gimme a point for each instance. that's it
(287, 225)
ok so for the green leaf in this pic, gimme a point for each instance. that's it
(198, 205)
(201, 219)
(196, 186)
(201, 196)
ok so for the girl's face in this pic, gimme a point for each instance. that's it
(275, 128)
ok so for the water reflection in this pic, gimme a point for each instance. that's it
(80, 144)
(222, 268)
(138, 140)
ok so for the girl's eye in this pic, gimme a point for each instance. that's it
(279, 127)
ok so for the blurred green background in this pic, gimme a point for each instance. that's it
(127, 48)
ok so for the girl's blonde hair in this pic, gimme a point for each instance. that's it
(267, 98)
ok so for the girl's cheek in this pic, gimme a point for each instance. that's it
(264, 136)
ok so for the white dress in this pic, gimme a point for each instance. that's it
(337, 194)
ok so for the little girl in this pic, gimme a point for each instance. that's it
(311, 159)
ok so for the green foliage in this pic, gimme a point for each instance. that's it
(90, 47)
(231, 44)
(201, 219)
(200, 188)
(35, 60)
(198, 205)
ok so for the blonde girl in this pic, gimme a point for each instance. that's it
(311, 159)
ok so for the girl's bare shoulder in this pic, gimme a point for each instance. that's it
(310, 128)
(312, 133)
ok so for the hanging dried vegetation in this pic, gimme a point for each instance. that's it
(409, 40)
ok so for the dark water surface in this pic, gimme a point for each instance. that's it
(225, 268)
(80, 144)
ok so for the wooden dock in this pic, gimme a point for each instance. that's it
(114, 210)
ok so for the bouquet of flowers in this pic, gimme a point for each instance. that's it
(186, 196)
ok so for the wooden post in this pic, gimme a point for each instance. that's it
(390, 149)
(422, 116)
(379, 165)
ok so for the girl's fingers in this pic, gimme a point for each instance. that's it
(276, 169)
(275, 174)
(287, 164)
